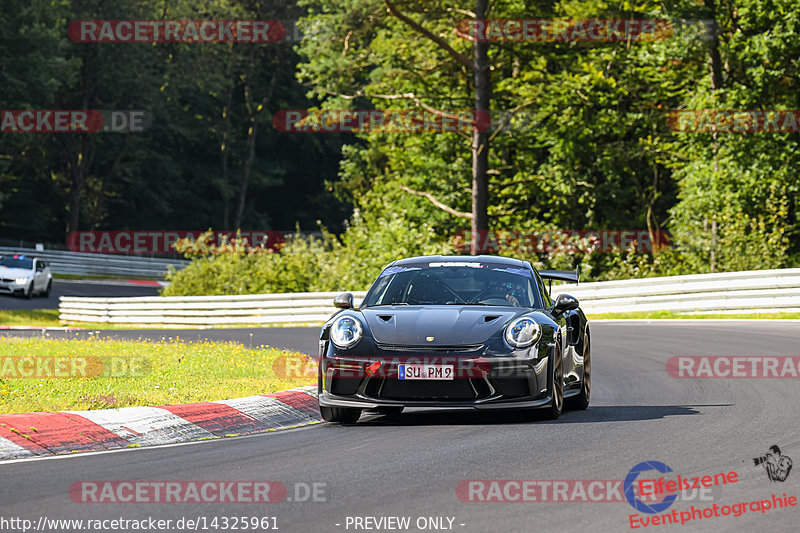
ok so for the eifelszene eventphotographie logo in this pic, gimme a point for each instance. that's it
(777, 465)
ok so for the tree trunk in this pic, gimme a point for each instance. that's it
(653, 228)
(224, 153)
(225, 146)
(715, 68)
(480, 139)
(253, 109)
(79, 164)
(74, 207)
(252, 132)
(714, 59)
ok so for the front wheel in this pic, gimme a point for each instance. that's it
(341, 415)
(554, 410)
(581, 401)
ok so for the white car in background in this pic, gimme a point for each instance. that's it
(25, 275)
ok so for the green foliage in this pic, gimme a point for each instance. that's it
(192, 169)
(587, 144)
(304, 263)
(234, 269)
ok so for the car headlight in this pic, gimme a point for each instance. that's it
(522, 332)
(21, 281)
(346, 331)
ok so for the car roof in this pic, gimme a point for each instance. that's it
(461, 259)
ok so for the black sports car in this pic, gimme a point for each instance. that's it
(455, 331)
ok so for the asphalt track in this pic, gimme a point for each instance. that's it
(410, 465)
(63, 287)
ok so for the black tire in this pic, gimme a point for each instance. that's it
(46, 292)
(29, 293)
(581, 401)
(341, 415)
(553, 411)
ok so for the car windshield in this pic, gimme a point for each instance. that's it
(454, 283)
(17, 262)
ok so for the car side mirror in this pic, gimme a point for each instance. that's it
(343, 301)
(564, 303)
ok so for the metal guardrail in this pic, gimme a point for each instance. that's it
(760, 291)
(78, 264)
(292, 308)
(726, 292)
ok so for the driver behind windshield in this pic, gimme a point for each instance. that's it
(452, 285)
(511, 292)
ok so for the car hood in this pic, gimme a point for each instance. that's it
(449, 325)
(8, 272)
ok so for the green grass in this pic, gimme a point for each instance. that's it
(44, 317)
(49, 318)
(670, 315)
(169, 372)
(29, 317)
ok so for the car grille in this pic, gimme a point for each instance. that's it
(345, 386)
(459, 348)
(518, 387)
(401, 389)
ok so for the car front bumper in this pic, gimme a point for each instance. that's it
(330, 400)
(478, 383)
(12, 287)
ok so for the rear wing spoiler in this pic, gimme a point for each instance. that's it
(560, 275)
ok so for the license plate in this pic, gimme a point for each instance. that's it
(432, 372)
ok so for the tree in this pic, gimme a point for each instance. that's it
(370, 44)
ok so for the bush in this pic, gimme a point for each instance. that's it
(304, 264)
